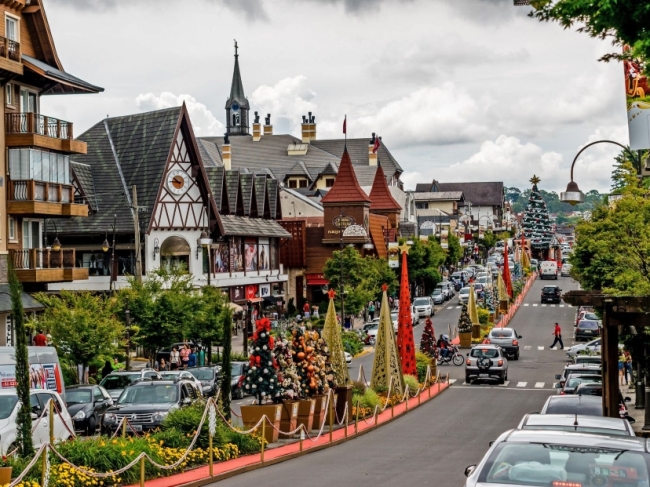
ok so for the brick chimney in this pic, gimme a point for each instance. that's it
(226, 153)
(268, 128)
(372, 157)
(257, 128)
(308, 128)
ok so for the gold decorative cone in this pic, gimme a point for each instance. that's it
(525, 261)
(501, 286)
(332, 336)
(471, 307)
(387, 364)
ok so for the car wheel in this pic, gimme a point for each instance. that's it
(239, 393)
(502, 379)
(516, 357)
(468, 379)
(92, 427)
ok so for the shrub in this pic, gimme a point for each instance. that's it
(483, 316)
(369, 399)
(358, 387)
(422, 362)
(352, 343)
(238, 357)
(412, 383)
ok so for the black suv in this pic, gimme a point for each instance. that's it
(551, 294)
(146, 403)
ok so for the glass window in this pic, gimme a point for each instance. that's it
(77, 396)
(9, 94)
(118, 381)
(12, 228)
(97, 394)
(149, 394)
(37, 165)
(7, 404)
(11, 28)
(25, 164)
(35, 404)
(484, 352)
(46, 166)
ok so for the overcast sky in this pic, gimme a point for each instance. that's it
(460, 90)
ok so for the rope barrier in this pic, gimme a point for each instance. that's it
(31, 464)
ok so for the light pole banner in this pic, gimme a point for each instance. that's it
(637, 93)
(393, 255)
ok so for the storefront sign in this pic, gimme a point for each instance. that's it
(393, 255)
(343, 221)
(251, 291)
(444, 238)
(237, 293)
(265, 290)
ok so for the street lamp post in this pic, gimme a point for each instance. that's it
(106, 246)
(206, 241)
(127, 320)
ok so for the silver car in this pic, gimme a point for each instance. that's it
(486, 362)
(526, 458)
(577, 423)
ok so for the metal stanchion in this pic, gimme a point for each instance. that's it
(356, 418)
(211, 461)
(123, 427)
(43, 465)
(142, 472)
(52, 422)
(331, 418)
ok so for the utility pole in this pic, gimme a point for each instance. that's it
(136, 225)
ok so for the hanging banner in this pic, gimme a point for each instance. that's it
(444, 238)
(393, 255)
(637, 93)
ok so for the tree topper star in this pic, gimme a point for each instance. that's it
(384, 287)
(535, 179)
(331, 293)
(405, 248)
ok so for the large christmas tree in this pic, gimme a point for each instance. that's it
(536, 224)
(464, 321)
(262, 378)
(428, 340)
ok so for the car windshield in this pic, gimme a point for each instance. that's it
(149, 394)
(203, 374)
(7, 404)
(543, 464)
(549, 289)
(393, 317)
(484, 352)
(573, 382)
(78, 396)
(236, 369)
(112, 382)
(421, 302)
(170, 375)
(465, 290)
(500, 333)
(580, 371)
(437, 291)
(571, 406)
(591, 316)
(590, 390)
(589, 325)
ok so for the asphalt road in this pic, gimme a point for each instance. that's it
(433, 444)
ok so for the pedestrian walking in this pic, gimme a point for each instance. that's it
(164, 366)
(371, 310)
(628, 367)
(192, 358)
(174, 359)
(621, 369)
(185, 355)
(305, 310)
(557, 332)
(40, 340)
(108, 368)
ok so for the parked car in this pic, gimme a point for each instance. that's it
(561, 458)
(590, 389)
(486, 362)
(573, 404)
(39, 399)
(348, 357)
(423, 306)
(551, 294)
(238, 371)
(566, 270)
(183, 374)
(146, 403)
(447, 289)
(586, 330)
(507, 339)
(578, 424)
(534, 263)
(208, 377)
(116, 382)
(588, 359)
(86, 404)
(437, 296)
(548, 270)
(580, 313)
(574, 380)
(586, 369)
(590, 347)
(463, 295)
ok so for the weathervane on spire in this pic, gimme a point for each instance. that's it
(535, 179)
(236, 47)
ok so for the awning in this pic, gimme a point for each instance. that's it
(274, 300)
(252, 227)
(29, 303)
(316, 280)
(256, 300)
(235, 307)
(65, 82)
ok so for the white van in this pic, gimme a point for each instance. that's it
(548, 270)
(44, 369)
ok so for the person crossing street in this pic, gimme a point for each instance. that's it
(557, 332)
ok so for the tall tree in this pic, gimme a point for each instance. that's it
(454, 251)
(226, 372)
(24, 419)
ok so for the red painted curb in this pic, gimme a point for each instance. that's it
(200, 476)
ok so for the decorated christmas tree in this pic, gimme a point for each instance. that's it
(322, 365)
(262, 377)
(464, 322)
(303, 357)
(332, 336)
(428, 339)
(386, 368)
(405, 341)
(488, 300)
(536, 224)
(288, 378)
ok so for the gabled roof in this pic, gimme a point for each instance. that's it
(346, 188)
(299, 169)
(358, 150)
(380, 194)
(64, 83)
(439, 196)
(423, 188)
(478, 194)
(84, 176)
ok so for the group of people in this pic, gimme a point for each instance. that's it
(624, 367)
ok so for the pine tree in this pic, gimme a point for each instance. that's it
(464, 322)
(536, 224)
(428, 340)
(262, 378)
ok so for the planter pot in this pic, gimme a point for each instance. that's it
(319, 411)
(476, 331)
(491, 318)
(503, 306)
(289, 418)
(253, 413)
(344, 397)
(306, 413)
(5, 475)
(465, 340)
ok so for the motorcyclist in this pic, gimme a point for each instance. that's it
(443, 345)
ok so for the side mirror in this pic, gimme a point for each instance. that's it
(491, 443)
(630, 419)
(34, 416)
(468, 354)
(627, 399)
(558, 386)
(469, 470)
(519, 337)
(558, 377)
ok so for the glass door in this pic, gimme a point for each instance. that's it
(32, 236)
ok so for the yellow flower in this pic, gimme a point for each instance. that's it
(123, 452)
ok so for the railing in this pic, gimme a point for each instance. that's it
(9, 49)
(35, 123)
(43, 258)
(31, 190)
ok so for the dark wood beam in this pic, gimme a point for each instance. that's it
(32, 9)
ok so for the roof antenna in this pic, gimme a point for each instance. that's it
(575, 423)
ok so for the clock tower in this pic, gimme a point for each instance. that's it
(237, 106)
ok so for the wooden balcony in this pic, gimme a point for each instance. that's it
(46, 265)
(14, 4)
(10, 61)
(36, 130)
(38, 198)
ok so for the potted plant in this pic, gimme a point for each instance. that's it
(465, 328)
(5, 472)
(262, 382)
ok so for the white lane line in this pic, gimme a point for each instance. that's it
(561, 306)
(535, 304)
(539, 385)
(553, 348)
(452, 381)
(505, 384)
(552, 306)
(528, 347)
(522, 384)
(526, 304)
(540, 348)
(543, 306)
(458, 307)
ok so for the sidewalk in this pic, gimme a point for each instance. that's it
(637, 414)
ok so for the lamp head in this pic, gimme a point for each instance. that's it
(56, 245)
(204, 239)
(368, 246)
(105, 245)
(572, 195)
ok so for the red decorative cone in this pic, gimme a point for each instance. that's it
(405, 342)
(506, 271)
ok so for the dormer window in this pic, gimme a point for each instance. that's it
(329, 182)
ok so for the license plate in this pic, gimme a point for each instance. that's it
(136, 427)
(484, 375)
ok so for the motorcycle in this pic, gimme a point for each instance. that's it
(454, 356)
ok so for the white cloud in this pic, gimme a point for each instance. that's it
(203, 122)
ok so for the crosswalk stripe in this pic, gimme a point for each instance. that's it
(526, 304)
(553, 348)
(561, 306)
(505, 384)
(540, 348)
(522, 384)
(535, 304)
(527, 347)
(552, 306)
(458, 307)
(539, 385)
(543, 306)
(452, 381)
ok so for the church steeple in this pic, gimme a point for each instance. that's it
(237, 106)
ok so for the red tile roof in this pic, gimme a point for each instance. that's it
(346, 188)
(380, 194)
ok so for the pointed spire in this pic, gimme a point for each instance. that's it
(237, 87)
(380, 194)
(346, 188)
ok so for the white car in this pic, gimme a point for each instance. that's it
(592, 346)
(184, 374)
(463, 295)
(566, 270)
(348, 357)
(423, 307)
(39, 399)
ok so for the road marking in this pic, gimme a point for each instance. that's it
(527, 347)
(452, 381)
(552, 306)
(522, 384)
(526, 304)
(466, 383)
(543, 306)
(458, 307)
(561, 306)
(540, 348)
(553, 348)
(535, 304)
(505, 384)
(539, 385)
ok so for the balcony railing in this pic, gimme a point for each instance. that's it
(35, 123)
(33, 259)
(31, 190)
(10, 49)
